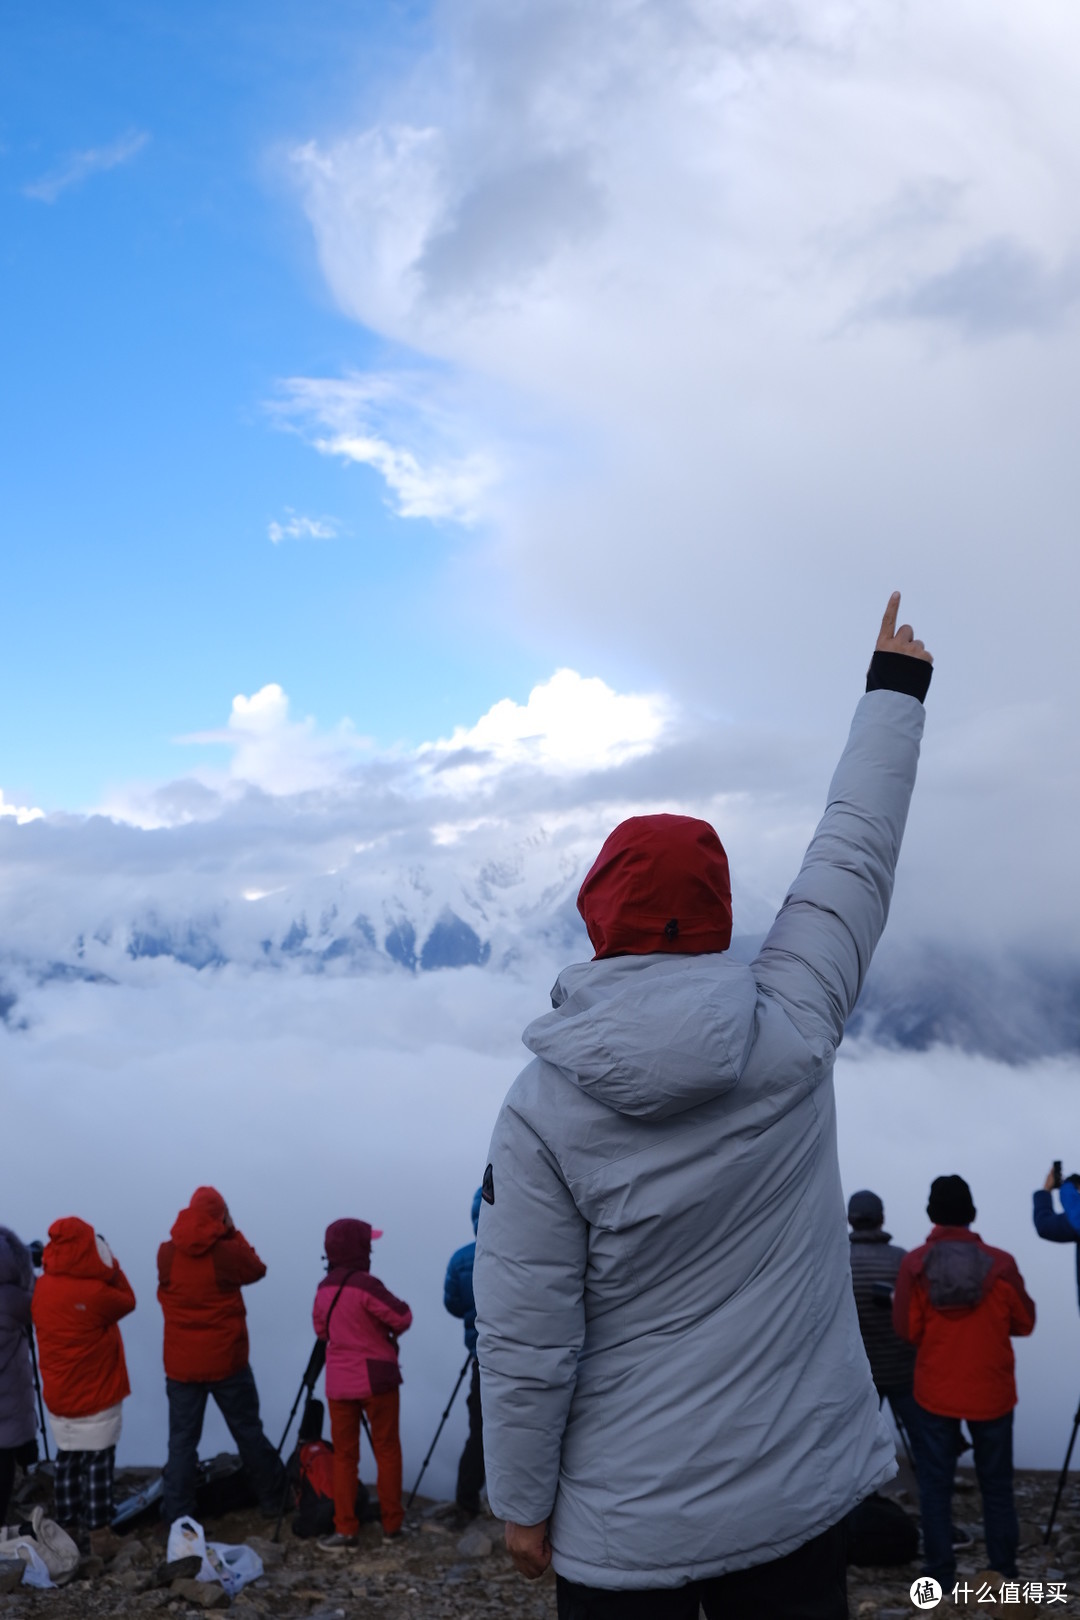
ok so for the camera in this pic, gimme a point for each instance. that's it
(37, 1252)
(881, 1293)
(1057, 1172)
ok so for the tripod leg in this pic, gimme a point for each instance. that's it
(285, 1489)
(1061, 1480)
(439, 1430)
(901, 1429)
(37, 1386)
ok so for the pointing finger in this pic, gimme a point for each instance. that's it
(888, 623)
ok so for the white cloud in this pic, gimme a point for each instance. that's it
(398, 427)
(298, 527)
(800, 279)
(568, 724)
(20, 813)
(793, 289)
(81, 165)
(273, 752)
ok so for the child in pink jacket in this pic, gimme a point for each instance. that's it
(360, 1321)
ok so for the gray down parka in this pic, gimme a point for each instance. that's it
(18, 1420)
(669, 1349)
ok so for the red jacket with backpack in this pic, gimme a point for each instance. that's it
(201, 1271)
(76, 1307)
(960, 1302)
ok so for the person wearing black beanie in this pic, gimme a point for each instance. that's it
(960, 1302)
(950, 1202)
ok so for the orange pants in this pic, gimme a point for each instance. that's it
(382, 1415)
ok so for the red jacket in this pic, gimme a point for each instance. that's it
(200, 1274)
(77, 1305)
(959, 1302)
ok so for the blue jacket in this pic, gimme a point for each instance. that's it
(458, 1287)
(1059, 1228)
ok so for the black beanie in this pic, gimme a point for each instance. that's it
(865, 1211)
(950, 1202)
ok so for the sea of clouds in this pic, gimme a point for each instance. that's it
(375, 1097)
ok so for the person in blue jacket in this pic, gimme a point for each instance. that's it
(1063, 1228)
(459, 1301)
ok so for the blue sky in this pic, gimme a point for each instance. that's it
(151, 308)
(715, 325)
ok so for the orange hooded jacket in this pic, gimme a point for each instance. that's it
(201, 1271)
(77, 1305)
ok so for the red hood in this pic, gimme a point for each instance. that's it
(197, 1228)
(72, 1250)
(660, 883)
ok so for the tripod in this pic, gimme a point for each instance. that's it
(1061, 1480)
(37, 1386)
(316, 1362)
(439, 1430)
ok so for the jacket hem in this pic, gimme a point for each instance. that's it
(705, 1569)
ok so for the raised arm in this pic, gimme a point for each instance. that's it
(115, 1300)
(529, 1281)
(235, 1262)
(816, 954)
(1054, 1227)
(392, 1312)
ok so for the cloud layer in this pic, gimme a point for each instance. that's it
(81, 165)
(308, 852)
(376, 1098)
(754, 313)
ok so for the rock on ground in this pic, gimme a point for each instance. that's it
(438, 1573)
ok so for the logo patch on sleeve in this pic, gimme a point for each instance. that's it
(487, 1187)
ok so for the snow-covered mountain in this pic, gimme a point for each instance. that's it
(505, 905)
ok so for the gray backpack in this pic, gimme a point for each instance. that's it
(956, 1275)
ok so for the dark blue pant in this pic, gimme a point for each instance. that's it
(939, 1448)
(238, 1402)
(471, 1467)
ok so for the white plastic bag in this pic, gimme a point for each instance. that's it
(35, 1573)
(46, 1548)
(233, 1567)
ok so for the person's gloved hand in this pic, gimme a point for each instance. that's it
(529, 1548)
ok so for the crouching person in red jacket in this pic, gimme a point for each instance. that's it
(959, 1302)
(201, 1271)
(360, 1321)
(76, 1307)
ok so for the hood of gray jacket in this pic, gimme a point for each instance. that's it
(650, 1036)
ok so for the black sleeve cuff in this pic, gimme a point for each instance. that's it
(899, 672)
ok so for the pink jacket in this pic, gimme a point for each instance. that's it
(361, 1329)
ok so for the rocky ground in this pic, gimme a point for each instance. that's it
(437, 1573)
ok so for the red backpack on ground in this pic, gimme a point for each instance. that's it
(312, 1468)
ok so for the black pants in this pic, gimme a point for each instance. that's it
(470, 1474)
(7, 1479)
(808, 1584)
(238, 1402)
